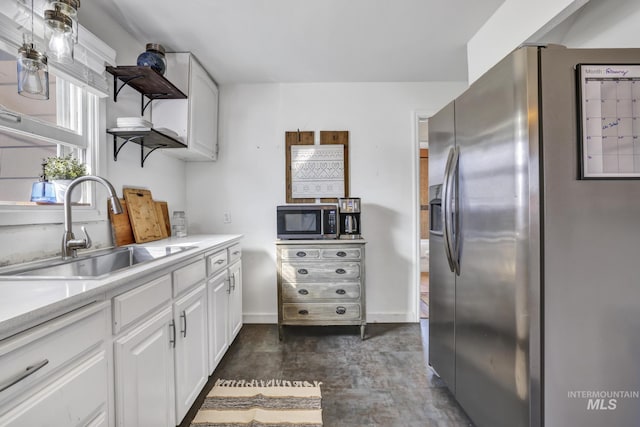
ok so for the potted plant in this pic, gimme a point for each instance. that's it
(61, 171)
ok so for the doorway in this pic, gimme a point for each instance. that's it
(423, 141)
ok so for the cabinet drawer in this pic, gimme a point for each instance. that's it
(186, 277)
(78, 395)
(300, 253)
(319, 272)
(235, 253)
(342, 253)
(320, 311)
(216, 261)
(135, 304)
(30, 357)
(308, 292)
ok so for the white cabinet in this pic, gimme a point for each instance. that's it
(58, 374)
(192, 361)
(218, 305)
(195, 119)
(144, 373)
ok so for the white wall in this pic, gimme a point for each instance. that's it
(248, 180)
(163, 175)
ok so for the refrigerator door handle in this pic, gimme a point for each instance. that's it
(454, 215)
(446, 192)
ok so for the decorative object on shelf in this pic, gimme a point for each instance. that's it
(61, 171)
(43, 190)
(61, 29)
(33, 70)
(153, 57)
(133, 122)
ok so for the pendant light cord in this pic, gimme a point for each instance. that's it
(32, 39)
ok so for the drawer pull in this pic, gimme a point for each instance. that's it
(303, 292)
(236, 253)
(341, 291)
(303, 312)
(220, 261)
(29, 370)
(303, 271)
(341, 271)
(301, 254)
(172, 339)
(341, 254)
(340, 310)
(184, 316)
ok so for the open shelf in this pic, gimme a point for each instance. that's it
(148, 138)
(148, 82)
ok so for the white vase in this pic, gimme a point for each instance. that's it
(60, 186)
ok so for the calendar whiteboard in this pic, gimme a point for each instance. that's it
(610, 111)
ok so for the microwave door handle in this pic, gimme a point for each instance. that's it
(445, 210)
(454, 216)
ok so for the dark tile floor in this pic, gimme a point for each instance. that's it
(381, 381)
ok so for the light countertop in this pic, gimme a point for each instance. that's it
(28, 301)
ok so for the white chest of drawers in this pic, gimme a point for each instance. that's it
(321, 282)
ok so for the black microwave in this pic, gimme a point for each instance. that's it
(307, 222)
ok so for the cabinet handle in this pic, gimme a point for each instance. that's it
(303, 292)
(172, 340)
(228, 280)
(303, 312)
(29, 370)
(232, 282)
(301, 254)
(341, 254)
(340, 310)
(220, 261)
(341, 271)
(235, 252)
(184, 316)
(341, 291)
(303, 271)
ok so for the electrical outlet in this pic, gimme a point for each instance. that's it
(227, 218)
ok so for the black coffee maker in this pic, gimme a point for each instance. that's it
(349, 217)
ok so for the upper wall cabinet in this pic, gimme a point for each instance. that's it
(195, 118)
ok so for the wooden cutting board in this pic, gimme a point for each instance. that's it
(162, 211)
(120, 225)
(142, 214)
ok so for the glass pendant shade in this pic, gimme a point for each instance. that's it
(58, 36)
(33, 73)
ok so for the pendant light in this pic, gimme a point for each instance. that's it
(33, 71)
(61, 29)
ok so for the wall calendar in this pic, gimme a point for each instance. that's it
(610, 112)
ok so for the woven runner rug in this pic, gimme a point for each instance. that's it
(259, 403)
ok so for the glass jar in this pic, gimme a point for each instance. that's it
(153, 57)
(179, 224)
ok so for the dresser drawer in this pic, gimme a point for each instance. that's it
(235, 253)
(216, 262)
(319, 272)
(320, 311)
(341, 253)
(300, 253)
(309, 292)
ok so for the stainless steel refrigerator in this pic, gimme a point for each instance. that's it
(535, 252)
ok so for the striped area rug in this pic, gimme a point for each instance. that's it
(259, 403)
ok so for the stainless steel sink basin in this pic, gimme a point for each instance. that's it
(94, 265)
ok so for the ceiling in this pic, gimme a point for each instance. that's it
(257, 41)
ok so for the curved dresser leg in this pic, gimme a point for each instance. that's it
(362, 330)
(280, 332)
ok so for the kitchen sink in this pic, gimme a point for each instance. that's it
(94, 265)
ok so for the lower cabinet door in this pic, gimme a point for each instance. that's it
(218, 307)
(78, 397)
(235, 300)
(144, 373)
(192, 350)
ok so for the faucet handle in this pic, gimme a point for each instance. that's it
(86, 237)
